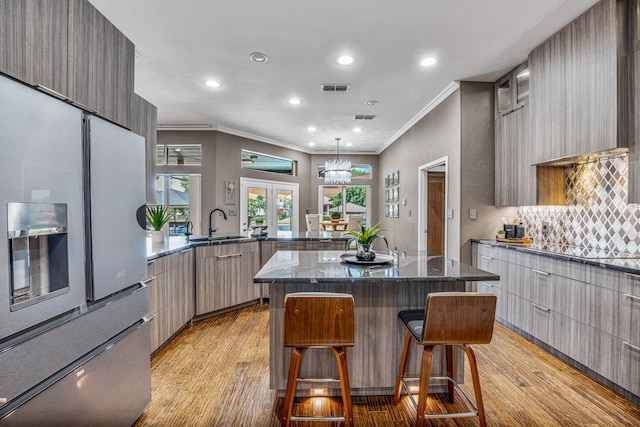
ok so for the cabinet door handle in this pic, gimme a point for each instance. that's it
(149, 317)
(184, 251)
(229, 256)
(486, 257)
(631, 346)
(633, 276)
(632, 297)
(150, 279)
(539, 307)
(51, 92)
(542, 273)
(487, 284)
(325, 241)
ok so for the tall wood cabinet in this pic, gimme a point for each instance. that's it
(225, 275)
(33, 42)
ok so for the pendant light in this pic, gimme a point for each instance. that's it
(337, 171)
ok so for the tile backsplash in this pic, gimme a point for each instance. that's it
(597, 214)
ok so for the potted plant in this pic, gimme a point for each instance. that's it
(335, 216)
(157, 217)
(364, 239)
(502, 234)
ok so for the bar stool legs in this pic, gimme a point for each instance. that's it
(292, 382)
(451, 319)
(318, 320)
(425, 369)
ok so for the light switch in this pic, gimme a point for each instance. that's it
(472, 213)
(450, 213)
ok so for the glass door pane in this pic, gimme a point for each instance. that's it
(257, 206)
(284, 200)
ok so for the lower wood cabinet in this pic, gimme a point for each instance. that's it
(225, 275)
(588, 313)
(171, 295)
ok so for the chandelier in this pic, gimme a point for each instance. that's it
(337, 171)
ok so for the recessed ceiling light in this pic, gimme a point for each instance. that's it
(371, 102)
(312, 144)
(258, 57)
(311, 129)
(294, 101)
(348, 144)
(212, 83)
(427, 62)
(357, 130)
(345, 60)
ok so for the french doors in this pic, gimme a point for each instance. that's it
(270, 205)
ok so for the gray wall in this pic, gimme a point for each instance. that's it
(460, 127)
(221, 154)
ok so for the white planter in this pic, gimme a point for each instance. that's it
(157, 236)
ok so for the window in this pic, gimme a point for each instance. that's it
(265, 163)
(357, 171)
(177, 193)
(171, 155)
(346, 199)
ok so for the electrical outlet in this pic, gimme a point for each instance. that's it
(473, 214)
(545, 227)
(450, 213)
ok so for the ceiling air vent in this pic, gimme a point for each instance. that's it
(364, 117)
(333, 87)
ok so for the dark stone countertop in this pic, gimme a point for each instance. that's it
(625, 262)
(175, 244)
(328, 267)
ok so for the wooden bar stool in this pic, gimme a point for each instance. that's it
(450, 319)
(318, 320)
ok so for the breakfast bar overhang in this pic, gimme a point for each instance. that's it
(380, 291)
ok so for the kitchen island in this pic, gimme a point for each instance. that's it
(380, 292)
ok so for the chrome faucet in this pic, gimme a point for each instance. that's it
(212, 230)
(189, 231)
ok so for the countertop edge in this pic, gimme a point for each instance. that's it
(601, 263)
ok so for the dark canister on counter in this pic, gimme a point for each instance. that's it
(510, 231)
(519, 231)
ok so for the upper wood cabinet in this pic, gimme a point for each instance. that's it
(547, 100)
(145, 120)
(68, 47)
(574, 87)
(515, 177)
(101, 64)
(512, 91)
(33, 34)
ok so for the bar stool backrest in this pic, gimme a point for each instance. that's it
(318, 319)
(458, 318)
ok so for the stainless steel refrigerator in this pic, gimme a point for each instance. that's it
(74, 340)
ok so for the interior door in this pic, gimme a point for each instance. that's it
(435, 212)
(270, 204)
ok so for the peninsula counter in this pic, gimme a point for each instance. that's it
(380, 292)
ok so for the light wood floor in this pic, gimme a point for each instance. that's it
(215, 373)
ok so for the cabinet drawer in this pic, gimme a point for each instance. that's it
(540, 284)
(629, 325)
(156, 266)
(502, 302)
(629, 366)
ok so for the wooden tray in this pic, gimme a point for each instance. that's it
(524, 240)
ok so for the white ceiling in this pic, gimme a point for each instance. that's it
(181, 44)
